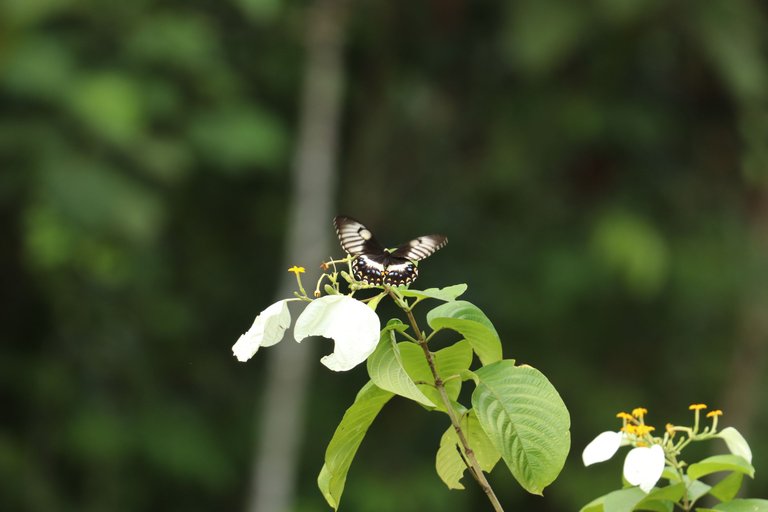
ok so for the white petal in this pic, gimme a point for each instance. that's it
(644, 465)
(267, 329)
(601, 448)
(352, 325)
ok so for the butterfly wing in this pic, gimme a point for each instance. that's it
(420, 248)
(355, 238)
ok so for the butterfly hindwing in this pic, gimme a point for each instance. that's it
(386, 269)
(373, 264)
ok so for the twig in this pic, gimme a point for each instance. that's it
(470, 460)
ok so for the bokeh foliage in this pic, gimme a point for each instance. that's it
(599, 167)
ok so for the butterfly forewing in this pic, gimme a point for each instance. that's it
(419, 248)
(355, 238)
(375, 265)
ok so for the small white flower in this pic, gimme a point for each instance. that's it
(644, 465)
(268, 329)
(352, 325)
(602, 448)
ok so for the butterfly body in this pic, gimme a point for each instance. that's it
(373, 264)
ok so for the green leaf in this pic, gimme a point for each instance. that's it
(449, 463)
(662, 499)
(720, 463)
(656, 506)
(668, 493)
(670, 474)
(471, 322)
(736, 443)
(447, 294)
(386, 370)
(747, 505)
(633, 498)
(374, 303)
(727, 488)
(596, 505)
(526, 420)
(450, 361)
(395, 324)
(451, 364)
(696, 489)
(623, 500)
(346, 440)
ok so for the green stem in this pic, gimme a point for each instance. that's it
(469, 455)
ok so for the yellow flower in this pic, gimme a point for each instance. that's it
(629, 429)
(642, 430)
(296, 270)
(697, 407)
(639, 412)
(714, 413)
(624, 416)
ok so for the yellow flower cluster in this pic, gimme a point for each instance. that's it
(638, 430)
(634, 424)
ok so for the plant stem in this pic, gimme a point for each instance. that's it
(470, 460)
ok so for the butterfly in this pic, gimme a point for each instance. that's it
(373, 264)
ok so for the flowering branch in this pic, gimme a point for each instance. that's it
(644, 464)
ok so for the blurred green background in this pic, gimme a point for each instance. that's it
(600, 167)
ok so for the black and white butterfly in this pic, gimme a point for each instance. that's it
(373, 264)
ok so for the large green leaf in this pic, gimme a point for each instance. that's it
(748, 505)
(671, 492)
(662, 499)
(720, 463)
(727, 488)
(596, 505)
(623, 500)
(447, 294)
(346, 440)
(386, 370)
(526, 420)
(467, 319)
(449, 462)
(450, 362)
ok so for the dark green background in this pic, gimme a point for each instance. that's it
(599, 167)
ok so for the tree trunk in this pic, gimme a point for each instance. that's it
(281, 415)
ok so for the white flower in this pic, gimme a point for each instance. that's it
(644, 465)
(602, 448)
(352, 325)
(267, 329)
